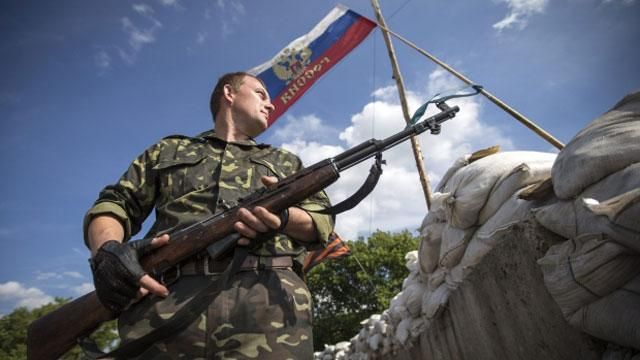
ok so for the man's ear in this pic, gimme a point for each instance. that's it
(228, 93)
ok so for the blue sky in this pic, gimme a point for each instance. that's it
(88, 85)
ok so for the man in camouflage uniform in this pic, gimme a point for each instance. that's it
(266, 312)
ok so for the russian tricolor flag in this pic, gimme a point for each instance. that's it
(295, 68)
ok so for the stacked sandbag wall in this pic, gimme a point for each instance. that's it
(595, 274)
(589, 219)
(476, 199)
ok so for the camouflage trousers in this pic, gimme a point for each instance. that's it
(263, 315)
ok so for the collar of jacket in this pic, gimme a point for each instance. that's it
(211, 135)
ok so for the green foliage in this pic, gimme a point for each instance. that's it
(344, 295)
(13, 332)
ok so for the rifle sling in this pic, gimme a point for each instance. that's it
(367, 187)
(177, 323)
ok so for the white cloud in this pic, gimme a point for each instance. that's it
(19, 295)
(312, 152)
(42, 276)
(388, 93)
(47, 276)
(102, 59)
(238, 7)
(83, 288)
(398, 201)
(73, 274)
(84, 252)
(235, 7)
(519, 13)
(226, 29)
(230, 14)
(169, 2)
(143, 9)
(138, 37)
(201, 37)
(307, 127)
(128, 57)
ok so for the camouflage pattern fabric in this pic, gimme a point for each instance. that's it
(263, 315)
(266, 314)
(187, 179)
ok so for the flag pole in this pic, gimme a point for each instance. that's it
(424, 180)
(501, 104)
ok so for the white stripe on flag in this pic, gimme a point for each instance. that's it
(306, 39)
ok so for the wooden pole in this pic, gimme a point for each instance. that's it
(426, 186)
(511, 111)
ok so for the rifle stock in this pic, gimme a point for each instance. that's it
(54, 334)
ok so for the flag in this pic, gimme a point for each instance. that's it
(335, 249)
(290, 73)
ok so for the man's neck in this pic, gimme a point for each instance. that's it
(227, 131)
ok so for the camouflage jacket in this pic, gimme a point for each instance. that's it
(187, 179)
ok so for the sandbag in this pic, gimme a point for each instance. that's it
(457, 165)
(414, 298)
(403, 331)
(411, 262)
(464, 161)
(623, 211)
(582, 270)
(522, 175)
(615, 317)
(429, 248)
(436, 278)
(434, 302)
(485, 238)
(466, 193)
(608, 144)
(454, 242)
(571, 218)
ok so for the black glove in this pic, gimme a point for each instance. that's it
(117, 272)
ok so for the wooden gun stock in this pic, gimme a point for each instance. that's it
(52, 335)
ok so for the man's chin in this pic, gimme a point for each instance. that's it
(258, 130)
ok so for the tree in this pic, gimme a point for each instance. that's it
(13, 332)
(344, 294)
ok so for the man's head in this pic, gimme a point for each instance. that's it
(241, 102)
(234, 80)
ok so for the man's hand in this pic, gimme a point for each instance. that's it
(118, 276)
(258, 220)
(298, 224)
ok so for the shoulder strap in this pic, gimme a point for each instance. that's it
(367, 187)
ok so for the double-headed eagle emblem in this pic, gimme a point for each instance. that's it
(291, 63)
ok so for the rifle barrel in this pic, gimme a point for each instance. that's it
(371, 147)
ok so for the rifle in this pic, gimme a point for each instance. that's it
(52, 335)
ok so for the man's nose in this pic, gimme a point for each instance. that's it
(270, 107)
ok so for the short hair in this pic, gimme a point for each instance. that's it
(235, 79)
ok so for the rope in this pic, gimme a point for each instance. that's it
(518, 116)
(398, 9)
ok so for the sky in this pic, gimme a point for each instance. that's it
(88, 85)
